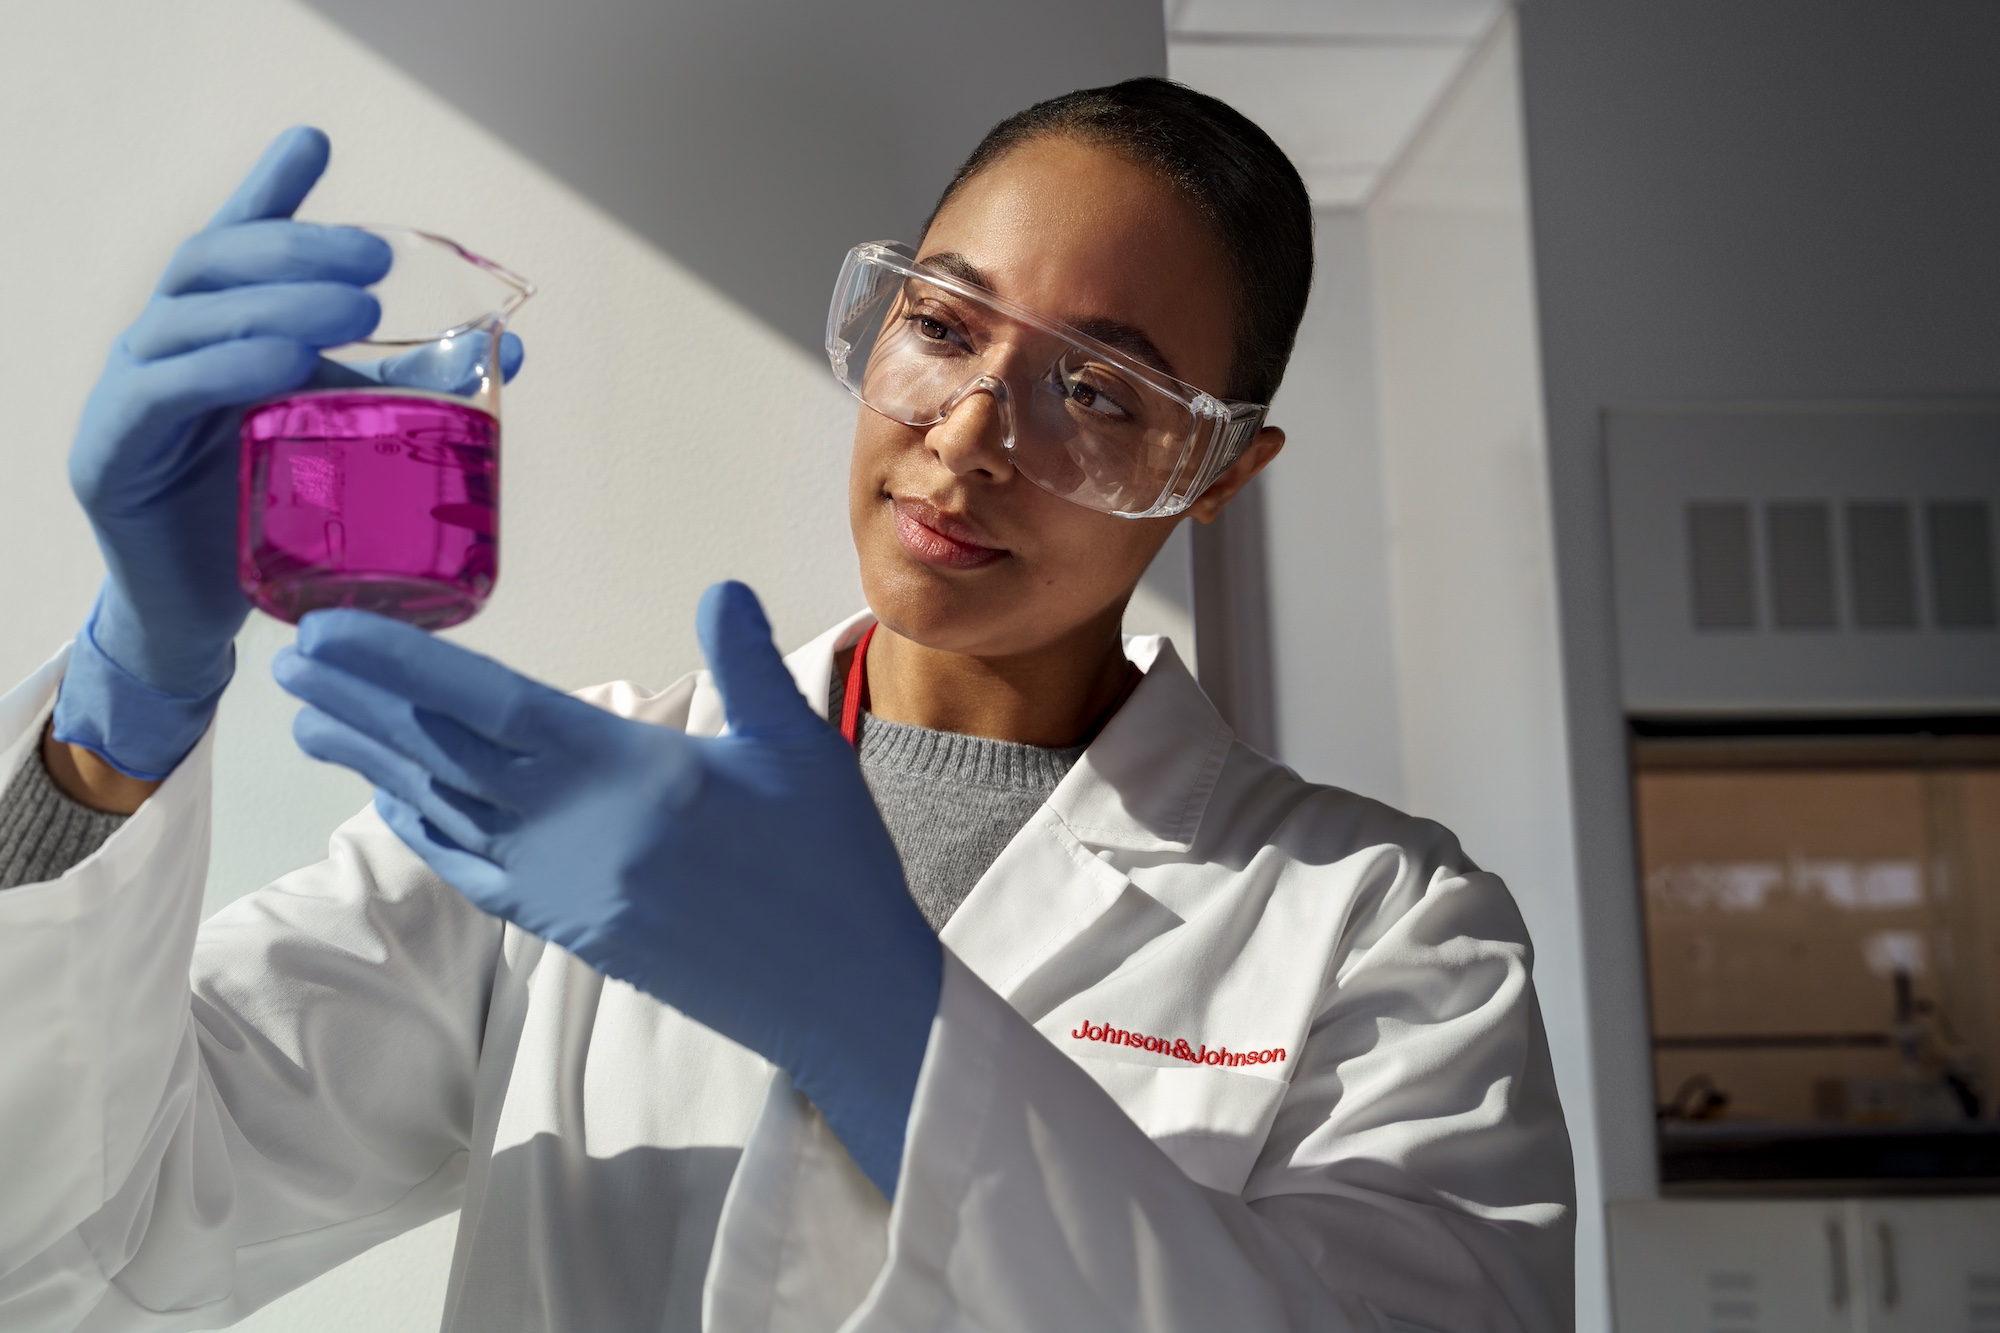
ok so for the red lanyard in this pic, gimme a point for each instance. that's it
(857, 688)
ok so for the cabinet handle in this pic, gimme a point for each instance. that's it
(1836, 1251)
(1891, 1287)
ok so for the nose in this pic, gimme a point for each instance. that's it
(976, 431)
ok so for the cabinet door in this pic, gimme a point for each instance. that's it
(1931, 1265)
(1681, 1266)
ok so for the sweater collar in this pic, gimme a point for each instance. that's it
(1144, 782)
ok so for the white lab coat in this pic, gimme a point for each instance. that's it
(194, 1119)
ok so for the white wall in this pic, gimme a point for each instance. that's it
(658, 439)
(1478, 646)
(1413, 577)
(1333, 645)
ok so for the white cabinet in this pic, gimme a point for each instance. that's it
(1698, 1267)
(1931, 1265)
(1831, 1266)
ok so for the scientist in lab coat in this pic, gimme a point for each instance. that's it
(960, 971)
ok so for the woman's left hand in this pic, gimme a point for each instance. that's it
(746, 879)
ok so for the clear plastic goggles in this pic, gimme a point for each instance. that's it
(1081, 419)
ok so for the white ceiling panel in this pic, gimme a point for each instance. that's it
(1342, 113)
(1352, 20)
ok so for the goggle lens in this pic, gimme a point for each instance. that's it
(1080, 421)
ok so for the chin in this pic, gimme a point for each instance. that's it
(925, 607)
(952, 612)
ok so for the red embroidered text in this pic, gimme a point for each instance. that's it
(1178, 1048)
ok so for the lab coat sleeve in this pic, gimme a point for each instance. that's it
(198, 1116)
(1417, 1175)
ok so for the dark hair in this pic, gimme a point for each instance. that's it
(1229, 169)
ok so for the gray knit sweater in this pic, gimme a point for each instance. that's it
(43, 832)
(951, 803)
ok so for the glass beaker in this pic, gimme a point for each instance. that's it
(377, 486)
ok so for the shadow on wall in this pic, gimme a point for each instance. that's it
(754, 143)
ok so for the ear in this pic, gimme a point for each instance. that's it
(1263, 448)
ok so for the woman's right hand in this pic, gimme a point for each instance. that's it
(241, 313)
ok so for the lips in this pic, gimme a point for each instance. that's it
(936, 538)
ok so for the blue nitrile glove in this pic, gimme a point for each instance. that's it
(747, 880)
(240, 313)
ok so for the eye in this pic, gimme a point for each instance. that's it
(1088, 391)
(935, 333)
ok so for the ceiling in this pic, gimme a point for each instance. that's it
(1342, 85)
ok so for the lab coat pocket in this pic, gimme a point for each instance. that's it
(1212, 1122)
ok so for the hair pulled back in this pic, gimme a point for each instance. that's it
(1238, 180)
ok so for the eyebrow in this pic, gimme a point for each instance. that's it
(1127, 338)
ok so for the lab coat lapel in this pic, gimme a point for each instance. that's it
(1142, 787)
(1144, 783)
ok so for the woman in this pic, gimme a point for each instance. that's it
(1060, 1009)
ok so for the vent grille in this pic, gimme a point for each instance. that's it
(1961, 541)
(1877, 538)
(1720, 557)
(1801, 566)
(1882, 565)
(1803, 558)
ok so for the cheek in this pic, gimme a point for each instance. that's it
(1090, 559)
(875, 444)
(1071, 563)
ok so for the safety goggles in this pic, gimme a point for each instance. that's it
(1081, 419)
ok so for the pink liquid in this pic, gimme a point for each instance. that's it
(379, 501)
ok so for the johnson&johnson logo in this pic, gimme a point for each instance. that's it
(1178, 1047)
